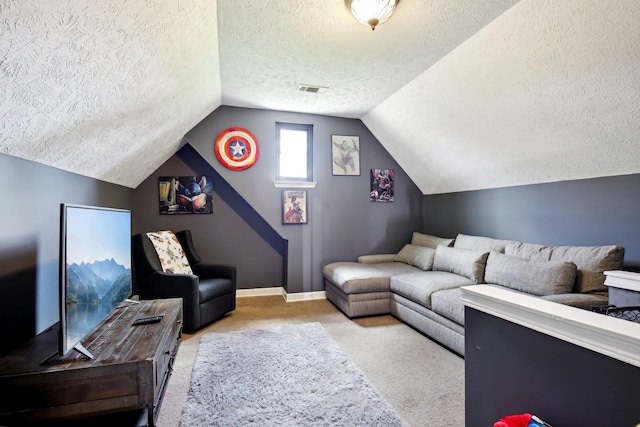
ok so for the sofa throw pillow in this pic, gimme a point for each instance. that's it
(170, 252)
(462, 262)
(419, 256)
(429, 241)
(531, 276)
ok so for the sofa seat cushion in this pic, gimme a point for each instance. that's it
(447, 304)
(355, 277)
(419, 287)
(358, 305)
(533, 277)
(574, 299)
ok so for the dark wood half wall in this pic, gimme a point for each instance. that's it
(511, 369)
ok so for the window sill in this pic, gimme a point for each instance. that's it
(294, 184)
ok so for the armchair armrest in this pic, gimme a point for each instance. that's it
(166, 285)
(375, 259)
(207, 270)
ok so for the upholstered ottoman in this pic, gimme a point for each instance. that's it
(362, 288)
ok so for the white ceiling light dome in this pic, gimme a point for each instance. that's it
(372, 12)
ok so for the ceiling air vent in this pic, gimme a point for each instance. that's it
(311, 89)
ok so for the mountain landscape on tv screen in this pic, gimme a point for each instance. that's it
(101, 282)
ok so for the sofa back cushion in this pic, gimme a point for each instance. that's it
(591, 261)
(479, 243)
(419, 256)
(429, 241)
(531, 276)
(531, 251)
(463, 262)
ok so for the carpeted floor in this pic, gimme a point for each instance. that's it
(421, 380)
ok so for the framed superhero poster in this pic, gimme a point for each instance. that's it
(294, 207)
(382, 181)
(345, 152)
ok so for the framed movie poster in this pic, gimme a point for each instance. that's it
(294, 207)
(185, 195)
(345, 154)
(381, 185)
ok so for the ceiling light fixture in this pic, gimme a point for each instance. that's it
(372, 12)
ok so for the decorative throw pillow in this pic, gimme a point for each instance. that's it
(170, 252)
(419, 256)
(533, 277)
(429, 241)
(463, 262)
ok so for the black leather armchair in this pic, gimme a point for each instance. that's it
(207, 295)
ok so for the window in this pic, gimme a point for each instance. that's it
(294, 144)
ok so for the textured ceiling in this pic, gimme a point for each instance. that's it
(464, 94)
(549, 91)
(106, 88)
(268, 48)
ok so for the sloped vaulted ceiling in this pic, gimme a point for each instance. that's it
(548, 91)
(465, 95)
(106, 88)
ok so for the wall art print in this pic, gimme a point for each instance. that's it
(345, 154)
(381, 185)
(294, 207)
(181, 195)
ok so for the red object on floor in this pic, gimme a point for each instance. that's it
(521, 420)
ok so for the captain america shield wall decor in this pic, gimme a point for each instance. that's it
(236, 148)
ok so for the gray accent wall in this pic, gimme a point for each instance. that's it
(30, 239)
(343, 223)
(221, 238)
(588, 212)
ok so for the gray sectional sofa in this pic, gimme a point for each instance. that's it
(420, 285)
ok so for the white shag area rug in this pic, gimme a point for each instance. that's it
(294, 375)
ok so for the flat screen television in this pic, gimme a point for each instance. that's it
(95, 269)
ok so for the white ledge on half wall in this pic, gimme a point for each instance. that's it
(294, 184)
(623, 279)
(613, 337)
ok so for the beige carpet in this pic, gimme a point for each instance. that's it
(421, 380)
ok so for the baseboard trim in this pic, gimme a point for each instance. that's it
(259, 292)
(298, 296)
(303, 296)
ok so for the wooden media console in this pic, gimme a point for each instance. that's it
(129, 370)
